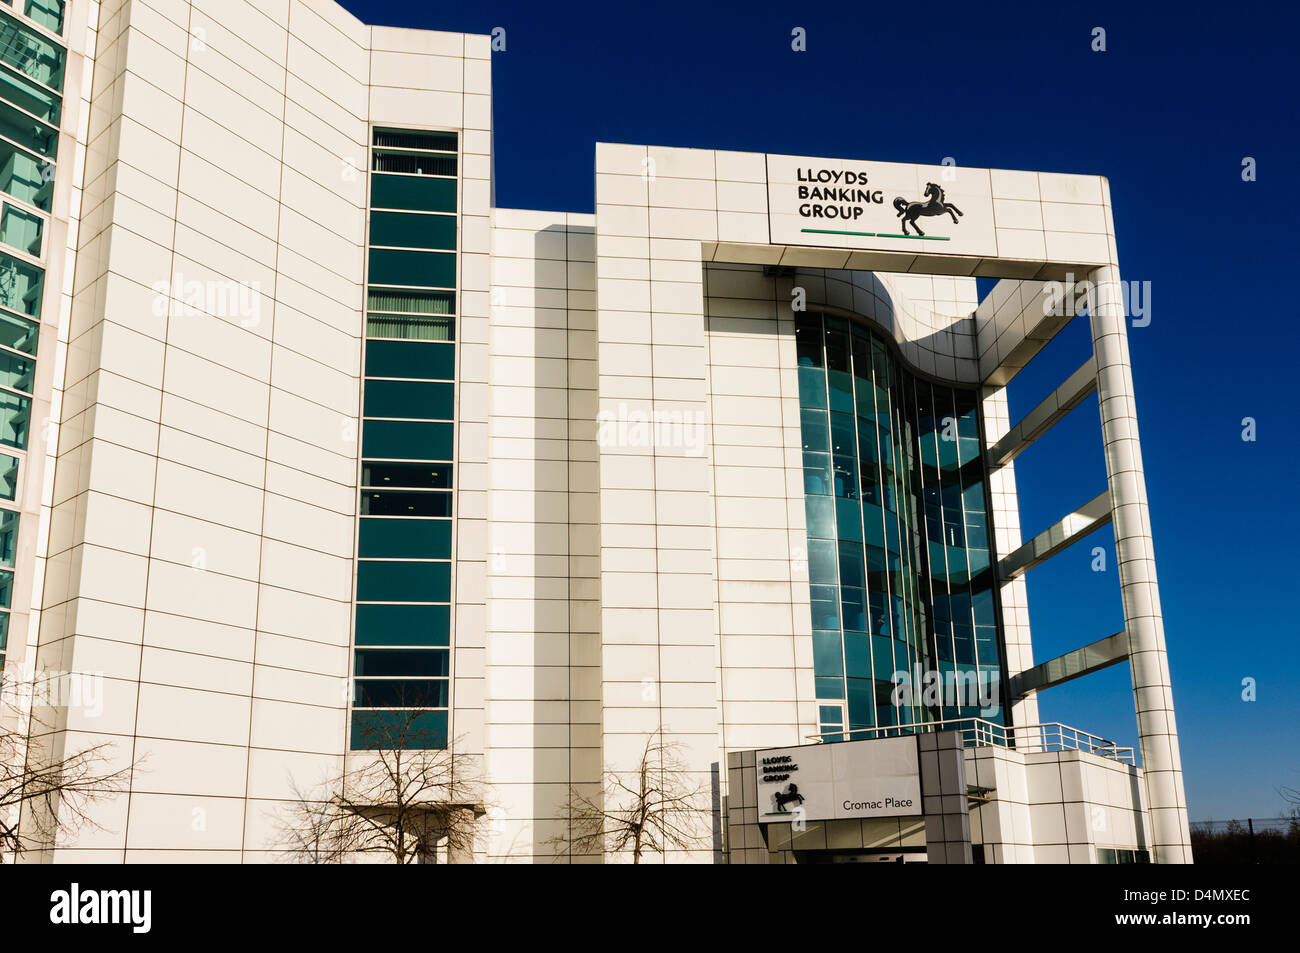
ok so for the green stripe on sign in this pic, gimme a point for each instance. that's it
(831, 231)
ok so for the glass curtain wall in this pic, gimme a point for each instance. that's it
(402, 634)
(899, 565)
(32, 61)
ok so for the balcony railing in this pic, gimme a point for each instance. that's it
(976, 732)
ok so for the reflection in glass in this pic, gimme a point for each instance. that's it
(898, 540)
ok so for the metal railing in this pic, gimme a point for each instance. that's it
(976, 732)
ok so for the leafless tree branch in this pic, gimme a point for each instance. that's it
(655, 808)
(401, 799)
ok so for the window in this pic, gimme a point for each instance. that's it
(424, 400)
(423, 139)
(412, 193)
(15, 414)
(416, 361)
(404, 539)
(21, 229)
(1122, 855)
(37, 136)
(402, 439)
(18, 333)
(8, 476)
(409, 230)
(890, 463)
(400, 693)
(29, 96)
(386, 581)
(418, 163)
(8, 537)
(20, 286)
(16, 372)
(411, 315)
(372, 662)
(405, 503)
(403, 625)
(424, 269)
(25, 177)
(31, 53)
(370, 728)
(48, 13)
(427, 476)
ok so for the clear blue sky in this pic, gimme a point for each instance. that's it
(1167, 113)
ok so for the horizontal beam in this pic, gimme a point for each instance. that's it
(1091, 658)
(1041, 419)
(1092, 515)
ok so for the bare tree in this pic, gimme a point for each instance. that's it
(656, 808)
(403, 797)
(45, 791)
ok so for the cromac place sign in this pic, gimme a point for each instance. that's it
(883, 206)
(874, 778)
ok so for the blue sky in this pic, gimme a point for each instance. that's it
(1167, 113)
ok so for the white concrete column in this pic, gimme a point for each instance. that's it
(1157, 733)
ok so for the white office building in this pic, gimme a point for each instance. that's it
(301, 433)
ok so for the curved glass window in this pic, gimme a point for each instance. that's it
(901, 582)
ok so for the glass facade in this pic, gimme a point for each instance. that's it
(32, 62)
(900, 572)
(402, 631)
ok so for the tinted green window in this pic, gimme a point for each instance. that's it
(416, 139)
(22, 177)
(426, 662)
(27, 95)
(405, 539)
(15, 419)
(36, 136)
(16, 372)
(423, 268)
(883, 486)
(20, 286)
(388, 729)
(407, 327)
(8, 537)
(21, 229)
(18, 333)
(409, 230)
(418, 193)
(405, 301)
(8, 476)
(6, 587)
(435, 362)
(423, 476)
(406, 440)
(403, 582)
(416, 399)
(403, 625)
(405, 503)
(414, 163)
(31, 53)
(400, 693)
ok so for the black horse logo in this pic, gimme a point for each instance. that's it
(790, 795)
(933, 204)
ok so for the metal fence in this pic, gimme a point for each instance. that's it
(1248, 825)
